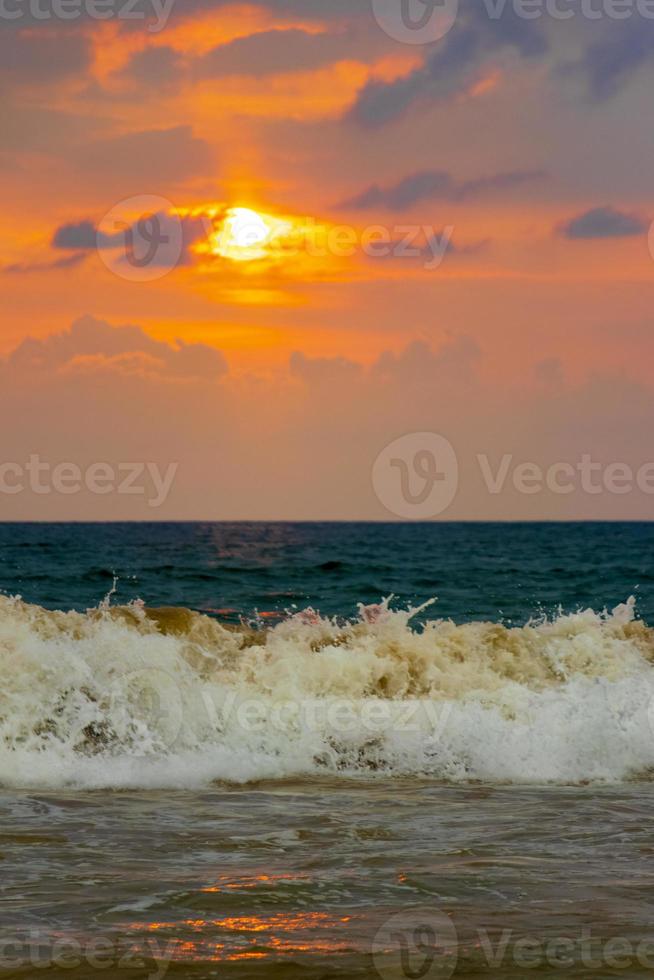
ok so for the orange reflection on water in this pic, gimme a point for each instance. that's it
(254, 936)
(250, 881)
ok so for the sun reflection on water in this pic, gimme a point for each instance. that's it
(240, 937)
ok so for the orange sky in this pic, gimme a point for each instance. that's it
(330, 197)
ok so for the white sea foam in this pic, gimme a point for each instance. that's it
(129, 697)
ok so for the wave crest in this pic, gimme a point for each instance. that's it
(136, 697)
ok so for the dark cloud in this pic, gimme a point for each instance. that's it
(444, 72)
(175, 234)
(498, 182)
(611, 62)
(424, 245)
(604, 222)
(453, 64)
(160, 67)
(69, 262)
(95, 343)
(436, 185)
(82, 235)
(404, 193)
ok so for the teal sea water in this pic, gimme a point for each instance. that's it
(504, 572)
(226, 752)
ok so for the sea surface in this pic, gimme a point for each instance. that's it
(327, 750)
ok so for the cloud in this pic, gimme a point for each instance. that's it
(453, 65)
(604, 222)
(69, 262)
(175, 234)
(278, 50)
(272, 52)
(442, 74)
(82, 235)
(425, 245)
(159, 66)
(316, 370)
(436, 185)
(96, 344)
(456, 360)
(314, 450)
(611, 62)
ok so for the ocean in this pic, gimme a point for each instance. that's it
(326, 750)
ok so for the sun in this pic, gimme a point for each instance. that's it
(244, 235)
(259, 241)
(244, 228)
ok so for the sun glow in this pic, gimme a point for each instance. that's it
(245, 235)
(256, 244)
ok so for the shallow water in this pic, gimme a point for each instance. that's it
(298, 879)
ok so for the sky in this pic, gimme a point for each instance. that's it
(307, 259)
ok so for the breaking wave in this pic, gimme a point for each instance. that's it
(135, 697)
